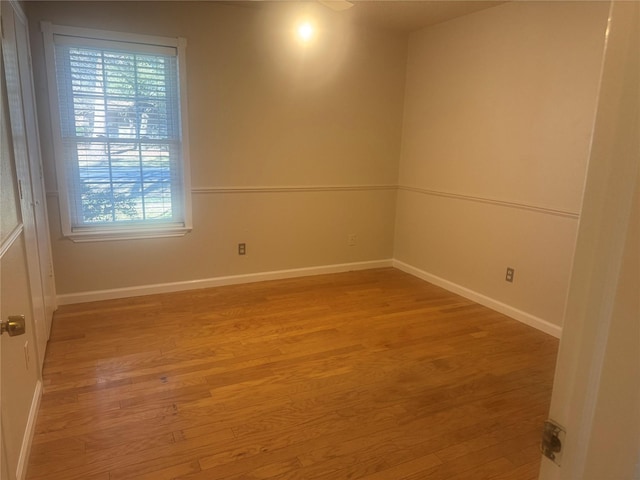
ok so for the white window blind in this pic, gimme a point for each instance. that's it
(120, 135)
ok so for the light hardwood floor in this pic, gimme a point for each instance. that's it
(370, 375)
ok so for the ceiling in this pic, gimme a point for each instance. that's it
(397, 15)
(407, 16)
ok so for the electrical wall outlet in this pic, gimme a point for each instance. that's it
(509, 276)
(351, 239)
(242, 249)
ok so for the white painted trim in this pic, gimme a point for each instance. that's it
(56, 131)
(117, 37)
(489, 302)
(279, 189)
(357, 188)
(292, 188)
(17, 10)
(183, 122)
(56, 34)
(10, 240)
(30, 430)
(97, 295)
(492, 201)
(137, 291)
(95, 235)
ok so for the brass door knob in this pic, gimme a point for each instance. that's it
(14, 326)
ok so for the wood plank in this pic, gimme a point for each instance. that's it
(372, 374)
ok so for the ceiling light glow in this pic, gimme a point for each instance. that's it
(305, 31)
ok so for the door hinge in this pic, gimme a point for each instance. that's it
(20, 189)
(552, 440)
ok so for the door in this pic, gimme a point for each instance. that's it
(596, 394)
(24, 135)
(19, 368)
(31, 148)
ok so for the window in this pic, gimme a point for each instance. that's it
(118, 119)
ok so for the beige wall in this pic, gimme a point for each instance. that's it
(262, 113)
(498, 117)
(488, 138)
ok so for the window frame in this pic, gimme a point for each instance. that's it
(105, 231)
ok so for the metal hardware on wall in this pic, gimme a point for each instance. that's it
(552, 438)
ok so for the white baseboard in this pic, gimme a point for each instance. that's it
(30, 430)
(508, 310)
(489, 302)
(138, 291)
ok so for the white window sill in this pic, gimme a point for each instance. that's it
(125, 234)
